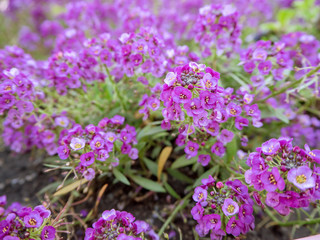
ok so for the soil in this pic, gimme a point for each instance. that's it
(22, 177)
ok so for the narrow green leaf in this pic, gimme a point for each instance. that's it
(70, 187)
(148, 184)
(171, 191)
(119, 175)
(151, 165)
(179, 175)
(182, 162)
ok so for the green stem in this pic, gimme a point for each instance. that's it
(116, 90)
(292, 84)
(182, 204)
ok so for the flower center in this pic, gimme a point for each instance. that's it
(230, 208)
(7, 88)
(5, 229)
(32, 222)
(233, 111)
(200, 196)
(208, 84)
(301, 178)
(312, 154)
(272, 180)
(77, 145)
(98, 144)
(182, 96)
(191, 149)
(154, 105)
(111, 139)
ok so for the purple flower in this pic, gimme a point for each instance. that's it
(233, 109)
(226, 136)
(44, 212)
(241, 122)
(191, 149)
(63, 152)
(133, 154)
(96, 143)
(234, 227)
(230, 207)
(102, 155)
(200, 195)
(314, 155)
(265, 67)
(193, 107)
(197, 211)
(208, 82)
(213, 128)
(213, 221)
(204, 159)
(77, 143)
(33, 220)
(301, 177)
(218, 149)
(249, 66)
(246, 214)
(89, 174)
(181, 95)
(170, 78)
(272, 199)
(109, 215)
(270, 147)
(48, 233)
(5, 228)
(273, 180)
(87, 159)
(208, 100)
(259, 55)
(62, 121)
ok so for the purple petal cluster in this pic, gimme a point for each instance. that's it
(195, 104)
(222, 208)
(120, 225)
(19, 222)
(285, 174)
(96, 144)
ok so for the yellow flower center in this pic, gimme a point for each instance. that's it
(301, 178)
(233, 111)
(230, 208)
(32, 222)
(77, 145)
(98, 144)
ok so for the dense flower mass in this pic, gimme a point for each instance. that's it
(198, 81)
(19, 222)
(287, 175)
(98, 146)
(200, 108)
(222, 208)
(119, 225)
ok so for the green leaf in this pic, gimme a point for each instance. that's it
(149, 131)
(278, 113)
(206, 174)
(232, 148)
(285, 15)
(151, 165)
(182, 162)
(119, 175)
(179, 175)
(171, 191)
(70, 187)
(148, 184)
